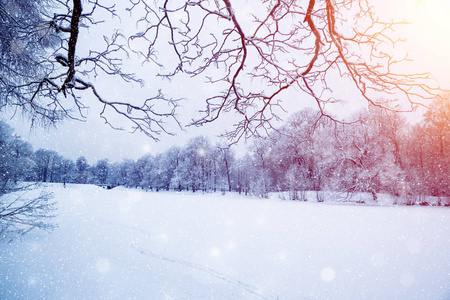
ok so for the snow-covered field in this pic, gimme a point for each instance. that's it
(129, 244)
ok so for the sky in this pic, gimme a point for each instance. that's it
(427, 43)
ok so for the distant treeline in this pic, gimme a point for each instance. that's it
(380, 153)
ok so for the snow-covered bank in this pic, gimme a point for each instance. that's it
(129, 244)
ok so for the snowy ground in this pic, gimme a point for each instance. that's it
(128, 244)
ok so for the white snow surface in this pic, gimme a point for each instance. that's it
(130, 244)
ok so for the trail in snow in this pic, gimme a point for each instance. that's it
(245, 286)
(249, 288)
(128, 244)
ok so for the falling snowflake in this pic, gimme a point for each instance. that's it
(327, 274)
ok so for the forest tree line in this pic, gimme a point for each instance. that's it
(46, 69)
(381, 153)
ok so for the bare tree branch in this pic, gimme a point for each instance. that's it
(20, 214)
(292, 43)
(247, 62)
(51, 92)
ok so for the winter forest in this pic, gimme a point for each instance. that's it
(342, 192)
(382, 153)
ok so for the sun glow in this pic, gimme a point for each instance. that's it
(427, 36)
(432, 24)
(434, 13)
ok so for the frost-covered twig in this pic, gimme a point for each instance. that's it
(21, 212)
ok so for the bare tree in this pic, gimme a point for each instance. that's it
(365, 157)
(43, 75)
(251, 60)
(297, 158)
(46, 162)
(228, 157)
(260, 185)
(23, 42)
(428, 151)
(20, 214)
(82, 169)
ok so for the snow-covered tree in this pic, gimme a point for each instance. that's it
(261, 182)
(101, 171)
(225, 160)
(68, 173)
(146, 165)
(47, 163)
(82, 170)
(164, 168)
(115, 175)
(19, 213)
(193, 170)
(245, 173)
(366, 158)
(130, 173)
(17, 158)
(428, 151)
(295, 157)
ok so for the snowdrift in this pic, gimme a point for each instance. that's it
(130, 244)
